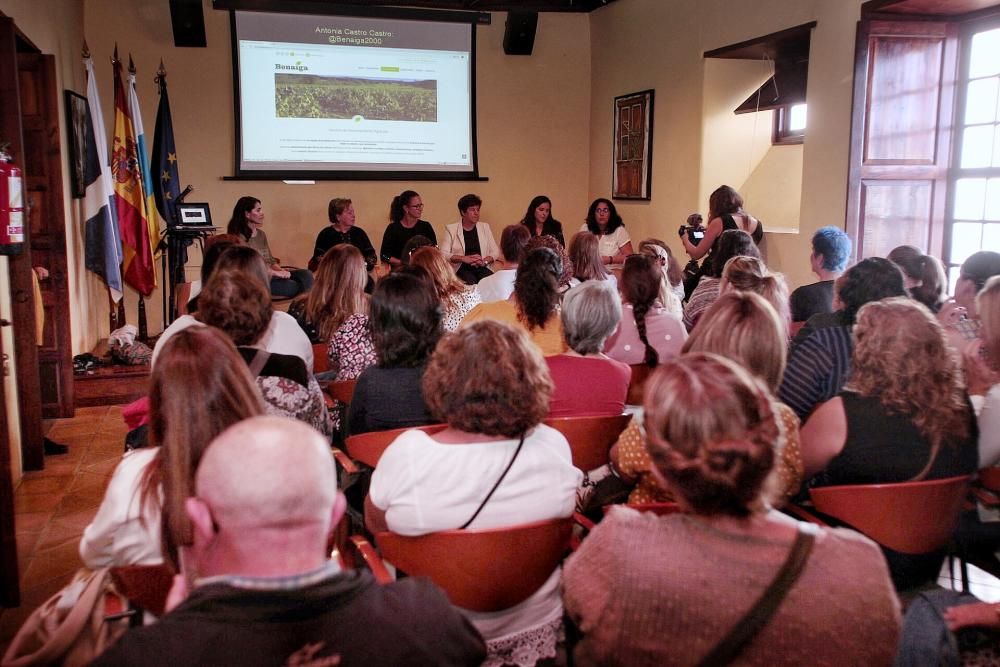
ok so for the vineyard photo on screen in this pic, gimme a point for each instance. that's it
(337, 97)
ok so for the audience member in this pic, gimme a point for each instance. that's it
(200, 387)
(411, 246)
(959, 315)
(469, 244)
(535, 303)
(428, 483)
(500, 285)
(672, 291)
(247, 223)
(338, 305)
(586, 258)
(819, 365)
(603, 221)
(586, 381)
(903, 415)
(406, 326)
(742, 327)
(725, 212)
(982, 373)
(648, 334)
(238, 303)
(457, 298)
(404, 224)
(750, 274)
(831, 249)
(212, 250)
(923, 276)
(731, 243)
(649, 590)
(265, 594)
(343, 230)
(553, 244)
(283, 335)
(539, 221)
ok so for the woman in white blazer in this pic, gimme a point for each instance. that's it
(469, 244)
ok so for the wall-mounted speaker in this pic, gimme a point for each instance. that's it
(519, 32)
(188, 22)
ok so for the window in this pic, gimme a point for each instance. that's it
(789, 124)
(974, 216)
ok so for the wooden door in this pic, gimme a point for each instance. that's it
(630, 146)
(46, 220)
(904, 82)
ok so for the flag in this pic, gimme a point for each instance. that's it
(102, 243)
(137, 249)
(144, 173)
(167, 184)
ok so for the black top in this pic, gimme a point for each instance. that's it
(388, 398)
(298, 310)
(286, 366)
(346, 620)
(549, 228)
(471, 241)
(883, 448)
(810, 300)
(355, 236)
(396, 236)
(728, 222)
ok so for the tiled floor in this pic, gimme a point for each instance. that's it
(53, 506)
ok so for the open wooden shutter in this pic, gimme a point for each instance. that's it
(904, 101)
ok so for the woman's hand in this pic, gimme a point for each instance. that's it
(979, 377)
(278, 272)
(980, 615)
(951, 313)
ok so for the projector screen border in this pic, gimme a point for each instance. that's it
(357, 176)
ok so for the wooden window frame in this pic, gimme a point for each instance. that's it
(781, 134)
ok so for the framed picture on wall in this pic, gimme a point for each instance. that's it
(76, 129)
(632, 153)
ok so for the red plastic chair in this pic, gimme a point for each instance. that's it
(637, 385)
(479, 570)
(590, 438)
(321, 362)
(908, 517)
(145, 586)
(368, 447)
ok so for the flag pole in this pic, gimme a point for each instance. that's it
(161, 76)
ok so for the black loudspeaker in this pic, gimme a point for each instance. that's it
(519, 34)
(188, 23)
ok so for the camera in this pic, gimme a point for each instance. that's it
(694, 230)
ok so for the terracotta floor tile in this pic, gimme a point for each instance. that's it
(88, 480)
(31, 522)
(101, 453)
(95, 411)
(48, 564)
(73, 503)
(57, 466)
(46, 502)
(34, 482)
(105, 467)
(26, 544)
(65, 529)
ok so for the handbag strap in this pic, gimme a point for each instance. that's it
(258, 362)
(495, 486)
(758, 616)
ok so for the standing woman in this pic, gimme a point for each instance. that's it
(342, 230)
(404, 224)
(247, 220)
(539, 220)
(725, 211)
(604, 222)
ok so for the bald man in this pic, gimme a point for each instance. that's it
(262, 590)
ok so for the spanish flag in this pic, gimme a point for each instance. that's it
(133, 220)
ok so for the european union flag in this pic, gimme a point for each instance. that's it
(166, 182)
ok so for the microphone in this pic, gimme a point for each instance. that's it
(180, 198)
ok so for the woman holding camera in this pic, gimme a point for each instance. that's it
(725, 211)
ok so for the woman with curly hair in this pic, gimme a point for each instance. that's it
(534, 306)
(903, 414)
(556, 246)
(539, 220)
(648, 334)
(426, 483)
(604, 222)
(457, 298)
(651, 590)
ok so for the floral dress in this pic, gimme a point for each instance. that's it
(351, 349)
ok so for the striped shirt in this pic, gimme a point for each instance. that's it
(817, 370)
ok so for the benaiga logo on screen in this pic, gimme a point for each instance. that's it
(297, 67)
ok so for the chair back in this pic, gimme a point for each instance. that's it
(368, 447)
(637, 385)
(341, 390)
(590, 438)
(990, 478)
(483, 570)
(145, 586)
(908, 517)
(321, 362)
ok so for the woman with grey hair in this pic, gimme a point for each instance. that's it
(586, 381)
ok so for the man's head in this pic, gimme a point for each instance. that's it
(831, 248)
(266, 500)
(975, 271)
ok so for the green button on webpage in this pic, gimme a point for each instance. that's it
(386, 68)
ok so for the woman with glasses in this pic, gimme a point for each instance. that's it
(603, 221)
(404, 224)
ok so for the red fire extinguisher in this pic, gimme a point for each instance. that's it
(11, 207)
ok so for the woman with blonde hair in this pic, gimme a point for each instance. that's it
(651, 590)
(198, 389)
(672, 291)
(743, 327)
(457, 298)
(982, 372)
(749, 274)
(587, 264)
